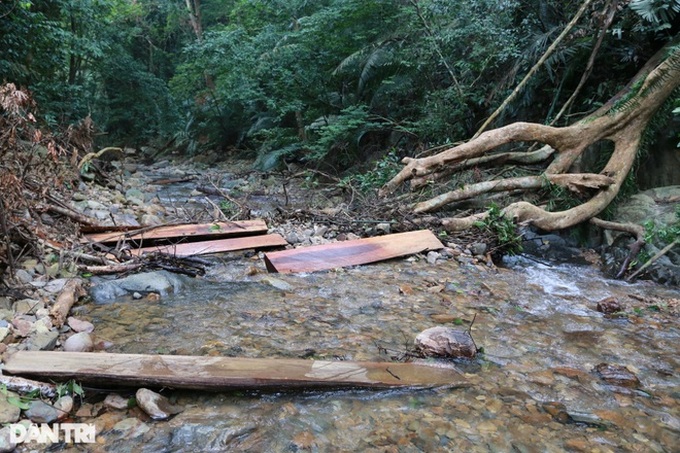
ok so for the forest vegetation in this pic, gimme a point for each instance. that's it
(337, 85)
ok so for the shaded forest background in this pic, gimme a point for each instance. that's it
(332, 82)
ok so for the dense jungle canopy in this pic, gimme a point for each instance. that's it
(337, 83)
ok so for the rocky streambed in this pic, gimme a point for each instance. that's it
(555, 374)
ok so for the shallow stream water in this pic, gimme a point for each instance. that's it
(536, 323)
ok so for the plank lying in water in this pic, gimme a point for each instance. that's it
(351, 253)
(216, 246)
(203, 230)
(224, 373)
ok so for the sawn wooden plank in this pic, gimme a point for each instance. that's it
(224, 373)
(204, 230)
(216, 246)
(351, 253)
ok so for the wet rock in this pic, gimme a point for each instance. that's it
(445, 342)
(557, 411)
(131, 427)
(162, 282)
(6, 445)
(383, 227)
(609, 305)
(115, 401)
(478, 248)
(80, 326)
(9, 413)
(64, 405)
(41, 412)
(617, 375)
(157, 406)
(80, 342)
(432, 257)
(43, 340)
(278, 284)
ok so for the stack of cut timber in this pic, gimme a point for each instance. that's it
(224, 373)
(351, 253)
(194, 239)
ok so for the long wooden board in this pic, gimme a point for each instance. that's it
(216, 246)
(203, 230)
(351, 253)
(224, 373)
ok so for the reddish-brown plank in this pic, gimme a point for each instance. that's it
(224, 373)
(214, 230)
(216, 246)
(351, 253)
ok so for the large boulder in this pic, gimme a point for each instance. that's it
(657, 207)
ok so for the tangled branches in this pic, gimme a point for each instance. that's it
(36, 172)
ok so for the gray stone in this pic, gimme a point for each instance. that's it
(131, 427)
(80, 342)
(7, 315)
(161, 282)
(43, 341)
(9, 413)
(133, 195)
(6, 445)
(478, 248)
(432, 256)
(23, 275)
(445, 342)
(27, 306)
(155, 405)
(150, 219)
(4, 331)
(41, 412)
(278, 284)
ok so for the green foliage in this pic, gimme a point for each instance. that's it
(383, 170)
(663, 235)
(503, 230)
(71, 388)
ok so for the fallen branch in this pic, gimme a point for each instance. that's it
(89, 156)
(630, 228)
(112, 269)
(22, 385)
(651, 261)
(69, 295)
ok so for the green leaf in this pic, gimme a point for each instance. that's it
(18, 402)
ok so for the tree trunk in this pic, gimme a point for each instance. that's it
(622, 121)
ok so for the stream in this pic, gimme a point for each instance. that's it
(536, 323)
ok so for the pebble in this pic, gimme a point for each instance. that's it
(617, 375)
(6, 445)
(609, 305)
(115, 401)
(41, 412)
(80, 326)
(131, 427)
(80, 342)
(432, 257)
(64, 405)
(157, 406)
